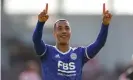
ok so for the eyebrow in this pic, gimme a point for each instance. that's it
(67, 26)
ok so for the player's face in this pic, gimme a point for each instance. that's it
(62, 32)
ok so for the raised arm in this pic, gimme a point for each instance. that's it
(39, 45)
(95, 47)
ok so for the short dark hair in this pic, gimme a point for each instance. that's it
(58, 21)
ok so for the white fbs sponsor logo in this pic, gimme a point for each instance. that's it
(66, 67)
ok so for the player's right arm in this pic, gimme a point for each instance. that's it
(39, 45)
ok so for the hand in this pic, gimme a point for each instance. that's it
(106, 16)
(43, 16)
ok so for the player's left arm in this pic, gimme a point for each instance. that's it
(95, 47)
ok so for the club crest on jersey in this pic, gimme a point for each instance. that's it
(73, 56)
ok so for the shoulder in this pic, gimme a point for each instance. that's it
(79, 48)
(49, 46)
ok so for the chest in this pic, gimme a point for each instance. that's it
(63, 64)
(72, 56)
(65, 61)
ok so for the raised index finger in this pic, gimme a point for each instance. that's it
(104, 8)
(46, 8)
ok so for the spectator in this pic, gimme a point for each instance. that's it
(31, 72)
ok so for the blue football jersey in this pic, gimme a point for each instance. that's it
(57, 65)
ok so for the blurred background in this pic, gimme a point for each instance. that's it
(19, 18)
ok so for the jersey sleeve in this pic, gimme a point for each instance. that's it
(39, 46)
(90, 51)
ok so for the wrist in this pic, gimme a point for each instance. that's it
(105, 23)
(41, 21)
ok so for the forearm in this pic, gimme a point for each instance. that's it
(37, 35)
(95, 47)
(101, 39)
(37, 38)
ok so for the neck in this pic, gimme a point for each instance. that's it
(63, 47)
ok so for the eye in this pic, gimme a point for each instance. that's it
(59, 28)
(67, 28)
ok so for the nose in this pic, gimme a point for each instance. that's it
(64, 31)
